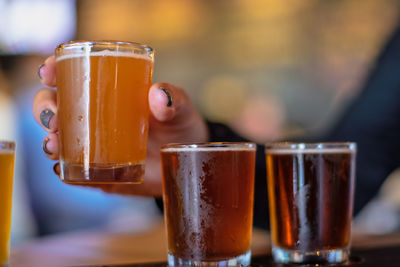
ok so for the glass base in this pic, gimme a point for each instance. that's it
(318, 256)
(101, 174)
(241, 260)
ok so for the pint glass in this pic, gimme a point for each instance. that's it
(311, 188)
(103, 110)
(208, 203)
(7, 157)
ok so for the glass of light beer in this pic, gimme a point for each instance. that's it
(7, 158)
(103, 110)
(310, 188)
(208, 203)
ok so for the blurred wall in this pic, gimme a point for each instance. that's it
(268, 68)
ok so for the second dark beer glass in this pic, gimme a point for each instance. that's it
(208, 203)
(311, 188)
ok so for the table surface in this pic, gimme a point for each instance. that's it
(104, 248)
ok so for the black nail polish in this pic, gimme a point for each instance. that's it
(168, 96)
(38, 72)
(45, 117)
(56, 168)
(44, 146)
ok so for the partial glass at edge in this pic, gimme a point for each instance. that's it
(7, 158)
(103, 110)
(208, 192)
(311, 189)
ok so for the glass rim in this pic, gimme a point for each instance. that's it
(90, 43)
(7, 145)
(209, 146)
(300, 147)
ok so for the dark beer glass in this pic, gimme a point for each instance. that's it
(311, 188)
(208, 203)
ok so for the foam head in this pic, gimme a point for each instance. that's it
(105, 53)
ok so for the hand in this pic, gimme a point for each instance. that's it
(173, 119)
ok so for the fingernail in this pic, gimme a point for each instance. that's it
(39, 71)
(45, 117)
(168, 95)
(56, 168)
(44, 146)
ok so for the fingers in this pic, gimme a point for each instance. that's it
(57, 169)
(47, 72)
(50, 146)
(45, 109)
(169, 103)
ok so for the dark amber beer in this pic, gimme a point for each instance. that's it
(103, 110)
(311, 189)
(208, 202)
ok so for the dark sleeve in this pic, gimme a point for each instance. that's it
(373, 121)
(221, 133)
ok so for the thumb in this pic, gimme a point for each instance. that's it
(169, 103)
(174, 117)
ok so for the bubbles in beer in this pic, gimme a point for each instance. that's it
(208, 200)
(191, 178)
(306, 183)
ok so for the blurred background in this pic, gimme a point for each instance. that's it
(268, 68)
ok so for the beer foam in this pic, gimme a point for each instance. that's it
(310, 151)
(105, 53)
(6, 151)
(206, 149)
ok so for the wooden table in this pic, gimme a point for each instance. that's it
(104, 247)
(99, 247)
